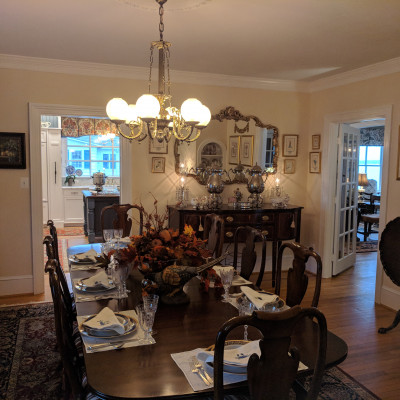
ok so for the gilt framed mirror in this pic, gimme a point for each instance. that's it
(211, 150)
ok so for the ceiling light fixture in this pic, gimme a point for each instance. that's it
(154, 115)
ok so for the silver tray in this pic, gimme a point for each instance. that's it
(129, 324)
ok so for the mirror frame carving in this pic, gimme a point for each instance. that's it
(231, 113)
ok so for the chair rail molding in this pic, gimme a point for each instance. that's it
(35, 111)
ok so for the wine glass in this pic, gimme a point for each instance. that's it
(246, 307)
(146, 320)
(124, 269)
(118, 235)
(150, 303)
(116, 277)
(226, 279)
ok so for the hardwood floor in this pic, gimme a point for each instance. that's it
(348, 304)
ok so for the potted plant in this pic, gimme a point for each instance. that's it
(70, 179)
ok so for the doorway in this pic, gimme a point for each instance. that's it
(35, 112)
(330, 178)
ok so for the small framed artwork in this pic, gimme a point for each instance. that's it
(316, 142)
(12, 150)
(289, 166)
(246, 150)
(234, 149)
(290, 145)
(315, 162)
(155, 147)
(158, 165)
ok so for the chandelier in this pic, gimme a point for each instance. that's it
(153, 114)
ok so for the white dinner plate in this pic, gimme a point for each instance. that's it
(129, 324)
(80, 285)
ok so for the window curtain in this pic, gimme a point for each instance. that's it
(372, 136)
(75, 127)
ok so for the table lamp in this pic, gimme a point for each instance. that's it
(362, 183)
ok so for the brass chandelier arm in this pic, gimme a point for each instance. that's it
(133, 135)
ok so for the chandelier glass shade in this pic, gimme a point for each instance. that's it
(153, 114)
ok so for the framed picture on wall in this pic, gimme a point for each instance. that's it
(12, 150)
(158, 165)
(315, 162)
(155, 147)
(246, 150)
(234, 149)
(316, 142)
(289, 166)
(290, 145)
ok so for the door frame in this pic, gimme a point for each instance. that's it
(329, 181)
(35, 111)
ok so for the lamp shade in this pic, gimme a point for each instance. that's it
(147, 106)
(362, 180)
(131, 115)
(117, 109)
(191, 110)
(204, 116)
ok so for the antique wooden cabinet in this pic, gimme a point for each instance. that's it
(276, 224)
(92, 206)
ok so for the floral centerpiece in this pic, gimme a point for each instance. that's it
(166, 258)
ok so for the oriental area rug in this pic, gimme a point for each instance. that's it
(30, 364)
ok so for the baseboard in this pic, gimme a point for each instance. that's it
(12, 285)
(390, 297)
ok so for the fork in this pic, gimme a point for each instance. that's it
(197, 371)
(197, 364)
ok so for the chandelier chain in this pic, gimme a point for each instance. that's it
(168, 76)
(161, 24)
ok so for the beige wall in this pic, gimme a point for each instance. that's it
(288, 111)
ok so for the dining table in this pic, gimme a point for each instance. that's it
(149, 371)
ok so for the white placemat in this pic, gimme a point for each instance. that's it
(131, 340)
(81, 296)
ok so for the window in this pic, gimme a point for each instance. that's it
(370, 162)
(93, 154)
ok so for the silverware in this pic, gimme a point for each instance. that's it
(200, 371)
(198, 364)
(116, 345)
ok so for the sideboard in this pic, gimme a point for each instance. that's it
(276, 224)
(93, 203)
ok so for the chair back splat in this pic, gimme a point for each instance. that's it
(272, 375)
(214, 233)
(249, 254)
(120, 219)
(297, 279)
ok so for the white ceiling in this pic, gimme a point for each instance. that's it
(270, 39)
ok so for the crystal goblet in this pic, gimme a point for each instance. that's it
(146, 320)
(226, 279)
(246, 307)
(150, 303)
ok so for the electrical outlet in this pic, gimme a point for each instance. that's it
(24, 183)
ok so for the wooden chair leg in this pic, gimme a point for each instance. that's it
(395, 322)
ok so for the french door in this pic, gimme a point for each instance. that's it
(345, 230)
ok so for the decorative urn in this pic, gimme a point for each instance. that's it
(255, 185)
(215, 186)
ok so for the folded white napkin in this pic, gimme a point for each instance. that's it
(88, 255)
(239, 356)
(105, 319)
(257, 298)
(126, 239)
(99, 279)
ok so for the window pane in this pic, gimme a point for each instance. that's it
(79, 141)
(99, 152)
(374, 155)
(375, 173)
(362, 154)
(116, 154)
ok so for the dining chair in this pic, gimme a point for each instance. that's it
(248, 256)
(68, 296)
(389, 255)
(297, 279)
(116, 216)
(53, 234)
(74, 374)
(272, 375)
(214, 233)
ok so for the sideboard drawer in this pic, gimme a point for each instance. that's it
(237, 219)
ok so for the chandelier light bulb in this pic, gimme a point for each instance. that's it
(147, 106)
(117, 109)
(204, 116)
(190, 110)
(131, 115)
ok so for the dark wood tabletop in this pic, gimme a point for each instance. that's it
(148, 372)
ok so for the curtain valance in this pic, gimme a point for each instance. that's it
(372, 136)
(74, 126)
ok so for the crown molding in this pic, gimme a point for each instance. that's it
(356, 75)
(141, 73)
(199, 78)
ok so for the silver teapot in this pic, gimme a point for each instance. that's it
(255, 185)
(99, 179)
(215, 186)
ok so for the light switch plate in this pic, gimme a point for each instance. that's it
(24, 183)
